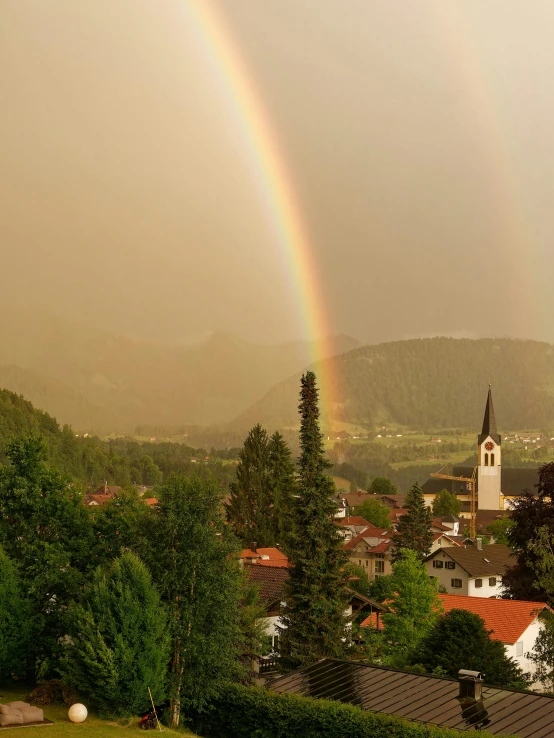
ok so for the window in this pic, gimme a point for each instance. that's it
(478, 582)
(492, 459)
(456, 583)
(449, 565)
(379, 567)
(275, 644)
(492, 581)
(519, 648)
(379, 556)
(367, 562)
(438, 564)
(359, 562)
(486, 459)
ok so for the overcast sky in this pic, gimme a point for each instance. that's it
(419, 136)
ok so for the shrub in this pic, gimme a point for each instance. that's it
(252, 712)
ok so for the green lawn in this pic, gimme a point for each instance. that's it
(93, 727)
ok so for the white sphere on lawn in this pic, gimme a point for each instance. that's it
(77, 713)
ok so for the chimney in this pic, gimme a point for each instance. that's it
(479, 544)
(254, 546)
(471, 685)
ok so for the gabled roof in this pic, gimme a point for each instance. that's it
(270, 580)
(423, 698)
(354, 520)
(489, 422)
(454, 539)
(108, 489)
(437, 523)
(508, 619)
(94, 499)
(491, 560)
(265, 557)
(397, 500)
(369, 532)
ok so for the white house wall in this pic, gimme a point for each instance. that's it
(486, 590)
(528, 640)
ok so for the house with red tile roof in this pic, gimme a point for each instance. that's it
(372, 550)
(271, 557)
(515, 623)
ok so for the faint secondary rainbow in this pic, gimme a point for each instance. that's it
(505, 195)
(273, 182)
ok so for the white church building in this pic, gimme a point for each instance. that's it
(495, 487)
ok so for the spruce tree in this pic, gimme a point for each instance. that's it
(313, 621)
(414, 528)
(119, 640)
(283, 482)
(250, 507)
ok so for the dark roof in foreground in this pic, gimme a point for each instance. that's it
(426, 699)
(489, 561)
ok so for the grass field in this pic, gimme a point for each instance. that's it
(93, 727)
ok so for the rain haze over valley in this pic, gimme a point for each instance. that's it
(142, 258)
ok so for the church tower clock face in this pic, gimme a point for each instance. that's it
(489, 446)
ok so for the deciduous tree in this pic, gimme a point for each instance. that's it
(382, 486)
(375, 512)
(530, 513)
(414, 605)
(460, 640)
(446, 503)
(313, 622)
(45, 528)
(542, 654)
(194, 561)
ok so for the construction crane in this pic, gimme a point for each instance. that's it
(470, 484)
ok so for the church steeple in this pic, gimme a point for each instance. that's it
(489, 422)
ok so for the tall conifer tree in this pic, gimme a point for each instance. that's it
(313, 622)
(251, 496)
(414, 528)
(283, 481)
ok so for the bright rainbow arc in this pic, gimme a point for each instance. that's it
(274, 184)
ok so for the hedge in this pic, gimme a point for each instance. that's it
(254, 712)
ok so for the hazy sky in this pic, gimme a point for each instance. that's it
(419, 136)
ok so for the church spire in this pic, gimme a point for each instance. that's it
(489, 421)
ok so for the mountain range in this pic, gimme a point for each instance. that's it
(101, 382)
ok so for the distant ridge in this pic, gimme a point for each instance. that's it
(430, 382)
(101, 382)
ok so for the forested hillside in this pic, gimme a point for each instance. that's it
(92, 461)
(428, 383)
